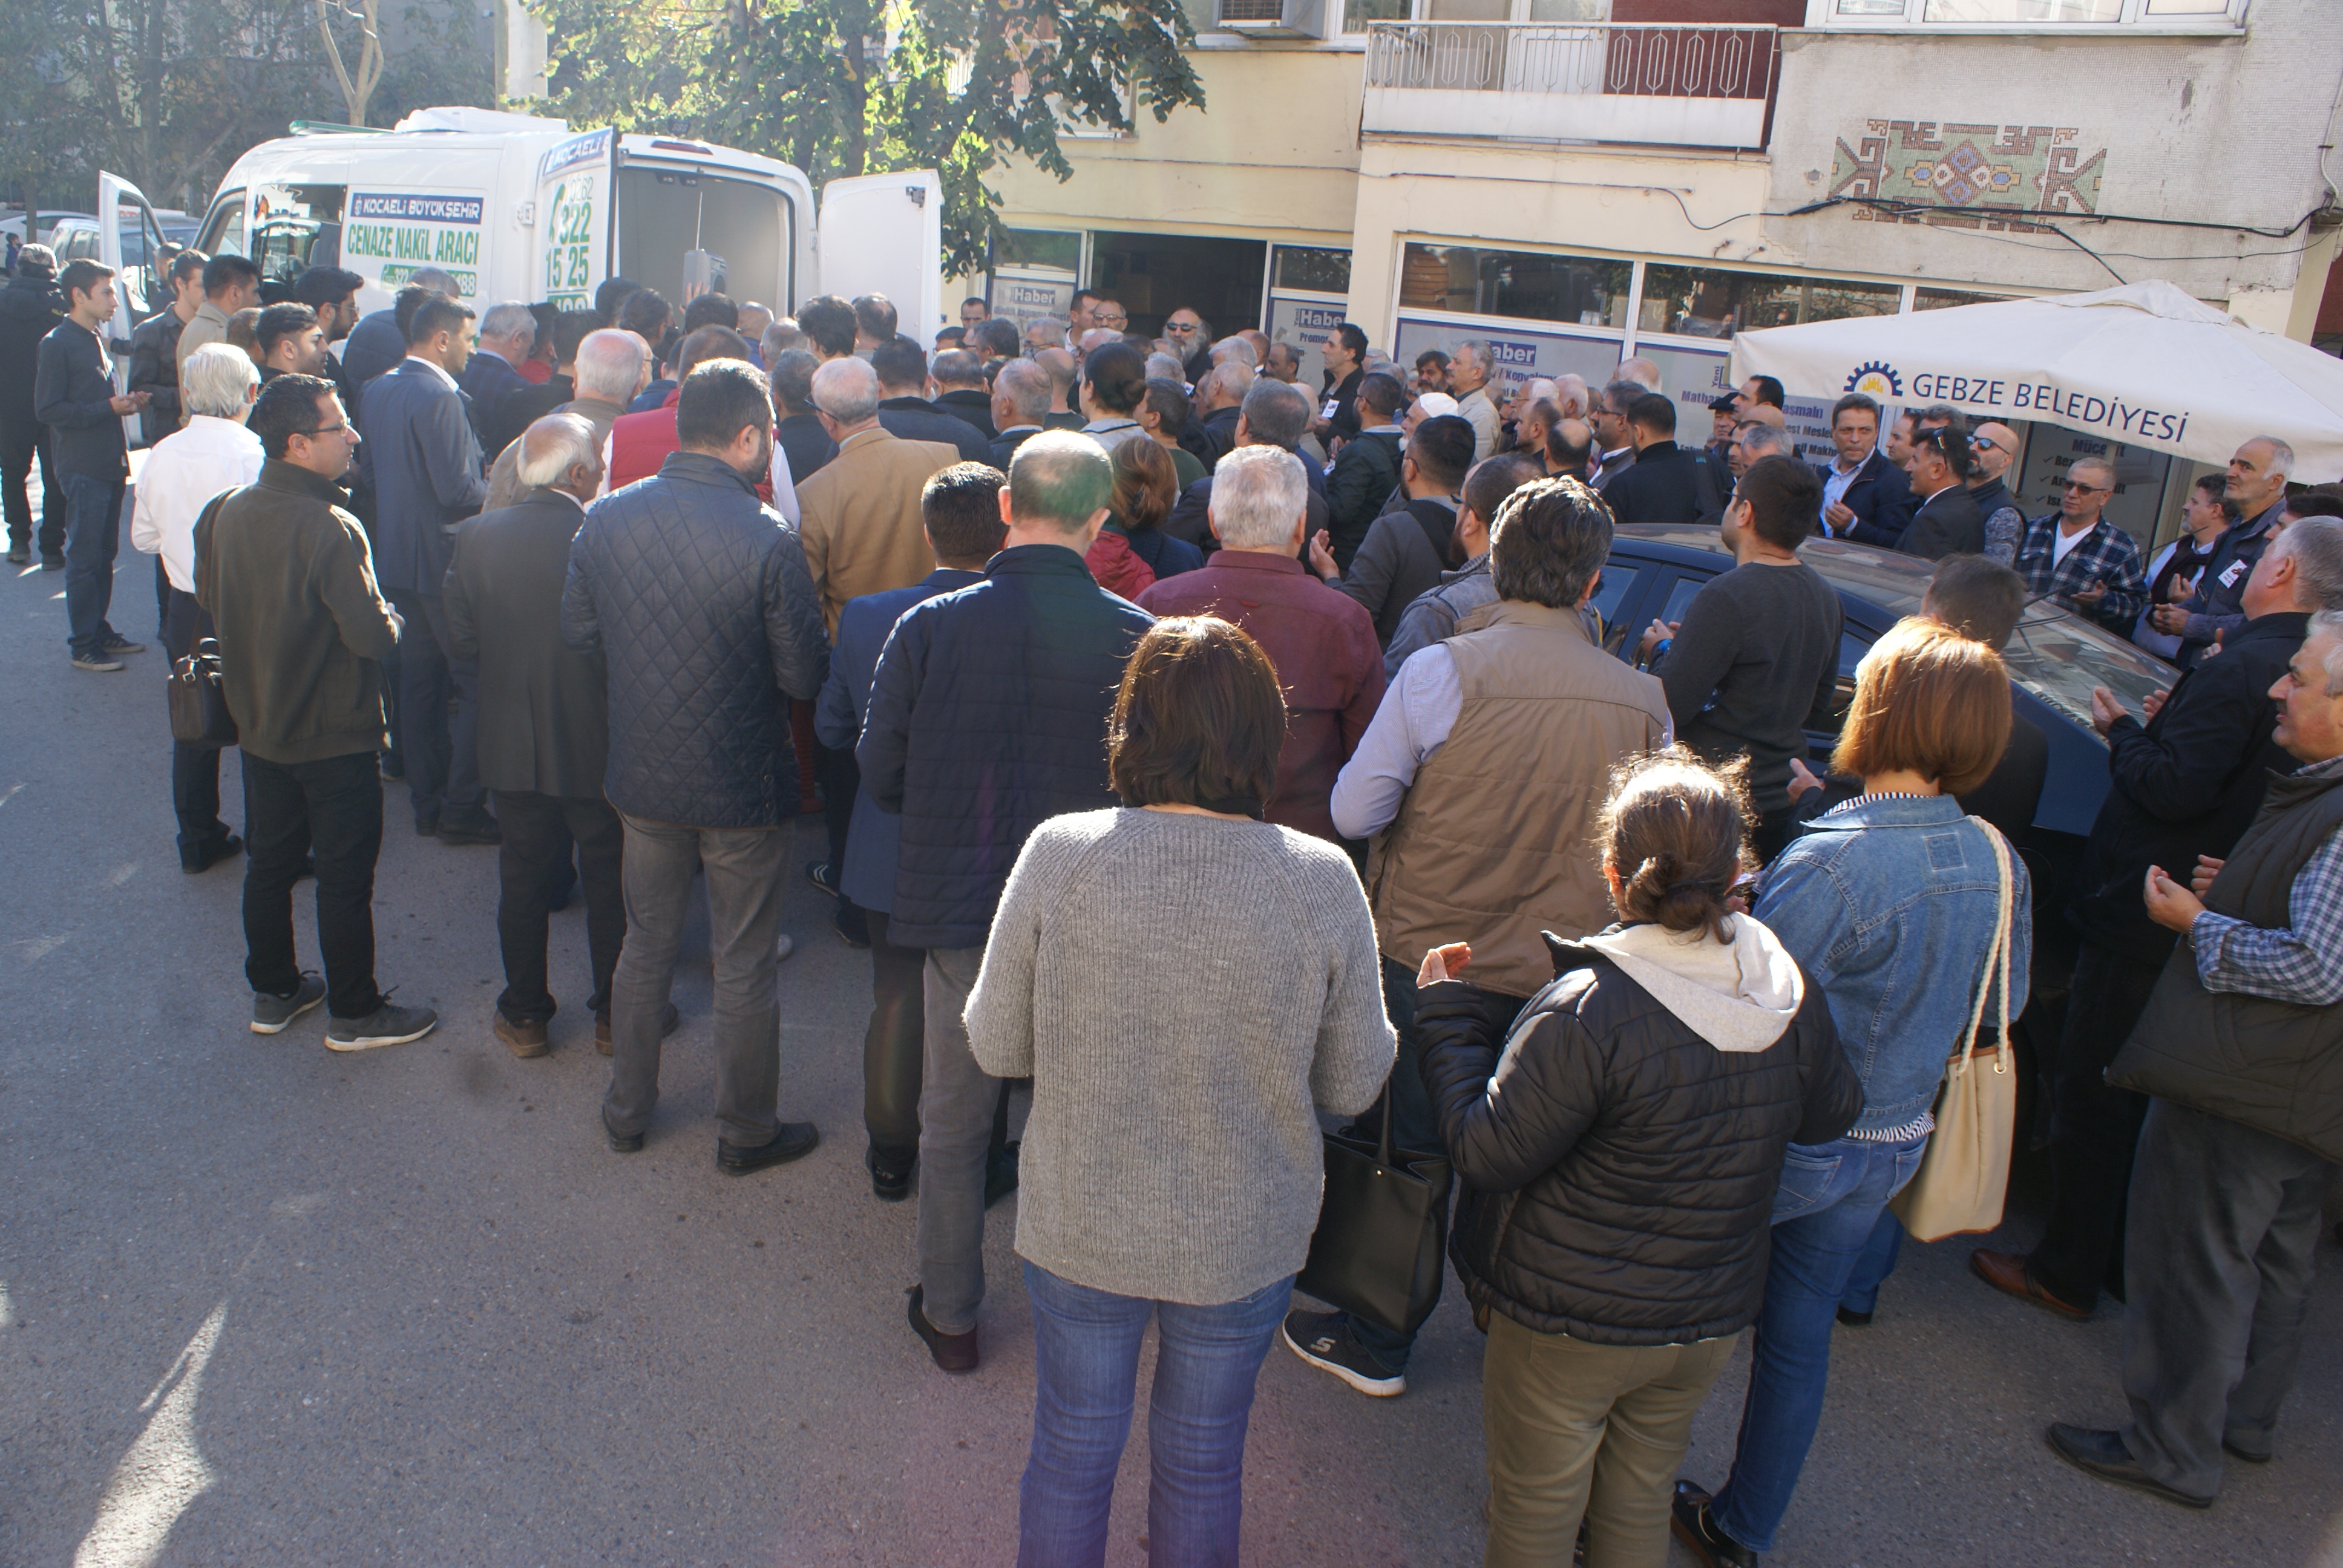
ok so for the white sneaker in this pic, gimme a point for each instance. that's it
(784, 947)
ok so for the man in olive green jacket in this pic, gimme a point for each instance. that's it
(303, 628)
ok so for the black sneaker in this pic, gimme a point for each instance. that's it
(389, 1024)
(96, 663)
(1325, 1342)
(53, 563)
(889, 1182)
(1695, 1526)
(115, 642)
(822, 876)
(271, 1014)
(854, 928)
(790, 1141)
(622, 1142)
(20, 556)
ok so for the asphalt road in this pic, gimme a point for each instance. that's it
(264, 1304)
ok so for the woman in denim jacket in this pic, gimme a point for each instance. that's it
(1889, 902)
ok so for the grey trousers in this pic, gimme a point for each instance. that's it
(2217, 1266)
(744, 910)
(957, 1099)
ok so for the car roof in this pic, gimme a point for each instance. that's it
(2053, 653)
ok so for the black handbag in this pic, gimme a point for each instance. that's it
(199, 715)
(1383, 1232)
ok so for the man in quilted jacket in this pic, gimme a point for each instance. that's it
(697, 597)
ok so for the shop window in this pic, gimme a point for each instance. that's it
(1313, 270)
(1947, 298)
(1533, 286)
(1039, 247)
(1708, 302)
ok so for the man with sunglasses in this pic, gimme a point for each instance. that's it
(1995, 446)
(2078, 557)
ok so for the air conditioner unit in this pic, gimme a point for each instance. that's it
(1280, 18)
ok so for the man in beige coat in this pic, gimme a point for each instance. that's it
(860, 514)
(859, 518)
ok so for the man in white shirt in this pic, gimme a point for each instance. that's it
(1468, 383)
(184, 471)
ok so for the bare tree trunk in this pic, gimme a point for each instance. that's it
(357, 89)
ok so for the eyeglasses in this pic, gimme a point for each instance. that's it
(323, 430)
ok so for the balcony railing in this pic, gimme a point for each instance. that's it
(1680, 85)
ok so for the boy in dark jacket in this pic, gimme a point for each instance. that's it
(987, 715)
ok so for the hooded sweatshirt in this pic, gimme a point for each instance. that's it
(1739, 996)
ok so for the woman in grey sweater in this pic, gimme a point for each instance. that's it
(1186, 985)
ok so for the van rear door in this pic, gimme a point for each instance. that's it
(573, 199)
(884, 233)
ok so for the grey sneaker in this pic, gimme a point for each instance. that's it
(388, 1024)
(271, 1014)
(96, 662)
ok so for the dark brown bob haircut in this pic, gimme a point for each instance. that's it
(1199, 721)
(1929, 700)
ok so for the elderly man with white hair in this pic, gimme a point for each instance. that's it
(612, 366)
(1321, 641)
(1755, 438)
(545, 729)
(185, 471)
(493, 374)
(2257, 476)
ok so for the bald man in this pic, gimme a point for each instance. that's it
(1995, 449)
(544, 725)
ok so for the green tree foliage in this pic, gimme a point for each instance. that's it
(167, 93)
(845, 87)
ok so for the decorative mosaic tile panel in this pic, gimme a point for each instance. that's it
(2025, 168)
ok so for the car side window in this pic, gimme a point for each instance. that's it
(1851, 647)
(1615, 592)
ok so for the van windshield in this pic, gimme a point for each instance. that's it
(665, 213)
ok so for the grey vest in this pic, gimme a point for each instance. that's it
(2271, 1065)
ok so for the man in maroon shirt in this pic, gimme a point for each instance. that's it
(1320, 641)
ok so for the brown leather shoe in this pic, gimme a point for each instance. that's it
(526, 1039)
(954, 1354)
(2013, 1275)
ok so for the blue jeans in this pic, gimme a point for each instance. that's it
(93, 534)
(1086, 1366)
(1826, 1215)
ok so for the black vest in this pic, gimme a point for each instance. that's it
(2274, 1066)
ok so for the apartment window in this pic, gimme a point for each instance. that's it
(1534, 286)
(2046, 16)
(1359, 15)
(1709, 302)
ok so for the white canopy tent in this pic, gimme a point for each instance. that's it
(2145, 365)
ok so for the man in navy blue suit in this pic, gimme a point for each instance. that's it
(1865, 497)
(422, 461)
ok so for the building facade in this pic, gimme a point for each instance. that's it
(1574, 181)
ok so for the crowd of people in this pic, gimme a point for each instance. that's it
(1212, 757)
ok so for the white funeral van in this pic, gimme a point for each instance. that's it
(516, 207)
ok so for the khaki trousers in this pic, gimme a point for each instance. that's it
(1579, 1429)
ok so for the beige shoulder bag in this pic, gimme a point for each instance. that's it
(1963, 1176)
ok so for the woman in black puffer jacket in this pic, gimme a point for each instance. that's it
(1620, 1168)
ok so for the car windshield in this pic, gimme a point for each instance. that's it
(2054, 654)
